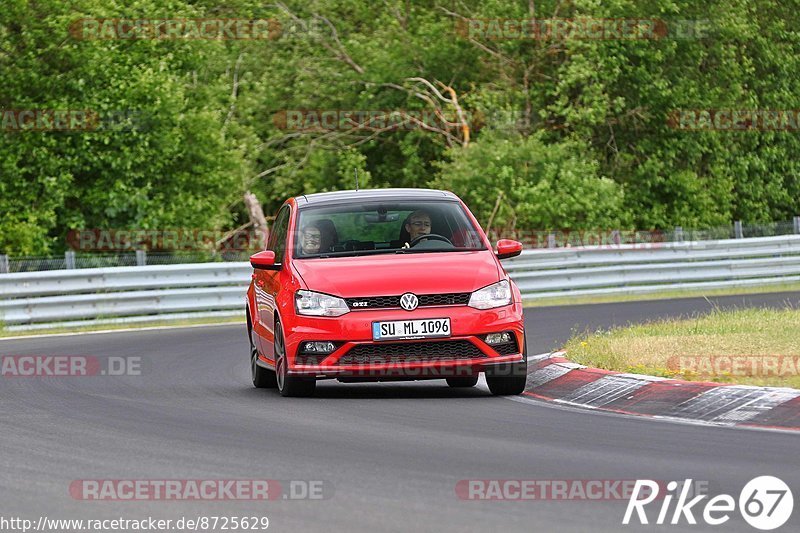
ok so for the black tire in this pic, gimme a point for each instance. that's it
(507, 385)
(289, 385)
(462, 382)
(263, 378)
(509, 379)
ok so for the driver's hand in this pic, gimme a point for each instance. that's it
(406, 245)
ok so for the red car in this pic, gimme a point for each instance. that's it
(388, 284)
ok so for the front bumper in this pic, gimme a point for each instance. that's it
(352, 333)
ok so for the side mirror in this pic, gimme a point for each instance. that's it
(507, 248)
(264, 260)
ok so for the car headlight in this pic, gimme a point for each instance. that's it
(495, 295)
(312, 303)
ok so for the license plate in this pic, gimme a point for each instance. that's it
(411, 329)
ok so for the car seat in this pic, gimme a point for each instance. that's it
(328, 234)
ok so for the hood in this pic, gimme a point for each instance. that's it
(395, 274)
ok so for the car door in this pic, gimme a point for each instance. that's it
(267, 283)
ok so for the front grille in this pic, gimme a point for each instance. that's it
(454, 298)
(425, 300)
(407, 352)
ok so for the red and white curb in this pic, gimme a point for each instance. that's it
(553, 377)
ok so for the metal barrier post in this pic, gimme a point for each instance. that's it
(4, 268)
(737, 229)
(69, 259)
(678, 235)
(797, 225)
(141, 258)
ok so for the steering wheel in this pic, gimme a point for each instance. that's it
(434, 236)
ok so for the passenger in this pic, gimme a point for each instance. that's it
(310, 239)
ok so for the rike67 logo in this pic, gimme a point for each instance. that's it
(765, 503)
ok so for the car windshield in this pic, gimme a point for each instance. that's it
(384, 227)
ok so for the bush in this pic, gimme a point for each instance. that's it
(543, 186)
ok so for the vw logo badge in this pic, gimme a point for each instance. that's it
(409, 301)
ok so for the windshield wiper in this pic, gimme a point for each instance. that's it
(369, 252)
(349, 253)
(357, 253)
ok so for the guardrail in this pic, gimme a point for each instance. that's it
(136, 294)
(33, 300)
(642, 269)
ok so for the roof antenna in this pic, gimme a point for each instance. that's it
(355, 171)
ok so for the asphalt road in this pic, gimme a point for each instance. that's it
(390, 454)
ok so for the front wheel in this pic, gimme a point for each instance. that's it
(289, 385)
(509, 379)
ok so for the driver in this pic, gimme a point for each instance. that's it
(418, 224)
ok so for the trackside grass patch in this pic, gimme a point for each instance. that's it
(749, 347)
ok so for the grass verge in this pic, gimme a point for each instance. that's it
(748, 346)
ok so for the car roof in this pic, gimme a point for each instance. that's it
(373, 194)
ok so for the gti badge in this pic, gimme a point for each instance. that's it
(409, 301)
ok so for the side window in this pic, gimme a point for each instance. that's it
(277, 241)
